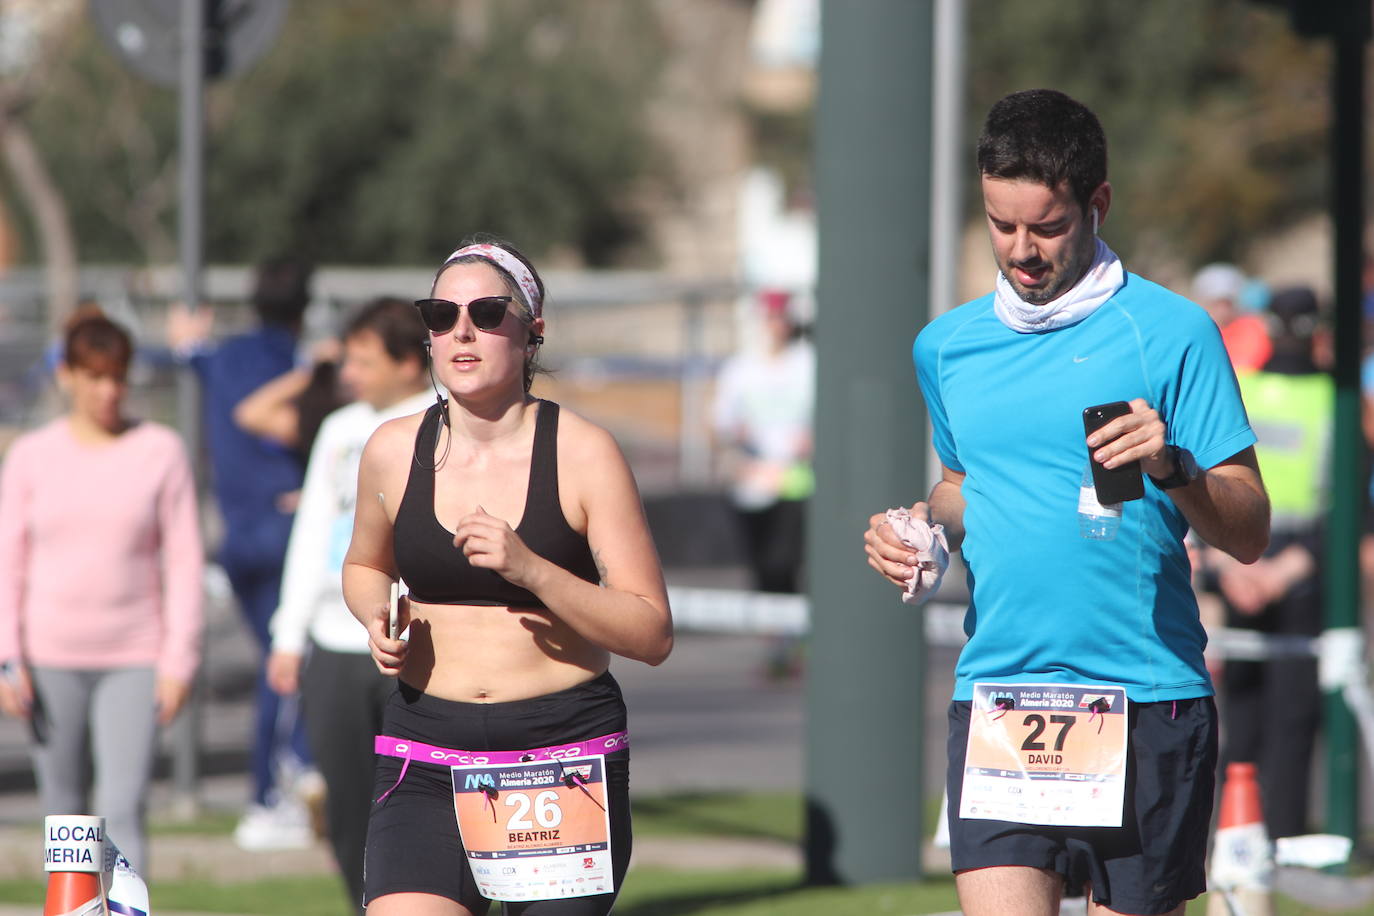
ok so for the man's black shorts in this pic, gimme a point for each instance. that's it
(1152, 863)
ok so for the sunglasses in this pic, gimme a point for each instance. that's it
(440, 315)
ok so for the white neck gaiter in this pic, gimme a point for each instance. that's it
(1100, 283)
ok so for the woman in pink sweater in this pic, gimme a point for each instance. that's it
(100, 587)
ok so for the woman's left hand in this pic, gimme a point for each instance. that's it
(170, 695)
(489, 543)
(16, 691)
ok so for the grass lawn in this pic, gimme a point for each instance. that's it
(649, 892)
(753, 815)
(654, 892)
(312, 895)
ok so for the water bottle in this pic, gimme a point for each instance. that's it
(1096, 522)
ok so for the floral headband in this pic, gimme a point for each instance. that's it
(511, 264)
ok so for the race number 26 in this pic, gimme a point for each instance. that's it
(544, 806)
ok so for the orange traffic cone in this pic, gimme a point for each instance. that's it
(74, 893)
(1241, 877)
(74, 858)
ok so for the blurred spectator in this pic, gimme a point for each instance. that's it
(290, 408)
(1255, 297)
(1367, 424)
(41, 398)
(343, 693)
(764, 401)
(1367, 288)
(1271, 709)
(256, 481)
(101, 560)
(50, 362)
(1219, 288)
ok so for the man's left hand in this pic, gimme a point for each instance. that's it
(1136, 436)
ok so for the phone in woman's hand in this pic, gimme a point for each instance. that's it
(394, 628)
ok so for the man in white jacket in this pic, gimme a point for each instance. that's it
(317, 645)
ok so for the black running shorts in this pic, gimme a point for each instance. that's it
(413, 843)
(1152, 863)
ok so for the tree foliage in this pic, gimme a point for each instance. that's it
(1215, 113)
(108, 139)
(385, 132)
(376, 133)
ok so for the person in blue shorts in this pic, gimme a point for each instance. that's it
(1083, 667)
(256, 481)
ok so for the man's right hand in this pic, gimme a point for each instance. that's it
(895, 561)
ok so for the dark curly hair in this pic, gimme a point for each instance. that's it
(1044, 135)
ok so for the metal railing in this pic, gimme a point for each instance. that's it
(634, 351)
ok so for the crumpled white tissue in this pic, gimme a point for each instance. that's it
(931, 547)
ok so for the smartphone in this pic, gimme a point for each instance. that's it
(1113, 485)
(394, 629)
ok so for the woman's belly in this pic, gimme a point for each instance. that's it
(478, 654)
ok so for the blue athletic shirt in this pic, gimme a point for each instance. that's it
(250, 473)
(1007, 410)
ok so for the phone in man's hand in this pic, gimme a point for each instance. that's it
(1113, 485)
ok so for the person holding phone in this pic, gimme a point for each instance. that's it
(1096, 625)
(518, 531)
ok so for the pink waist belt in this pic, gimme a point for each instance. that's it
(409, 750)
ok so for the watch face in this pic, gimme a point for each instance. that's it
(1187, 464)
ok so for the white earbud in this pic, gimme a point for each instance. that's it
(1094, 221)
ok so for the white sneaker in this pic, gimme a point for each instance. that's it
(285, 825)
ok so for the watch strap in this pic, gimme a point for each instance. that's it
(1178, 477)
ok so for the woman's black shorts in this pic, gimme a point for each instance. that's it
(413, 843)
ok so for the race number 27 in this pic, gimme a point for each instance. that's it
(1037, 724)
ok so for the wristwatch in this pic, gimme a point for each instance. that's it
(1185, 469)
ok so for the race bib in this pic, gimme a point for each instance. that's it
(538, 830)
(1052, 754)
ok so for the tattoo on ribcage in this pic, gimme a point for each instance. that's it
(600, 567)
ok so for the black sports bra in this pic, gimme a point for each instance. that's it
(436, 572)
